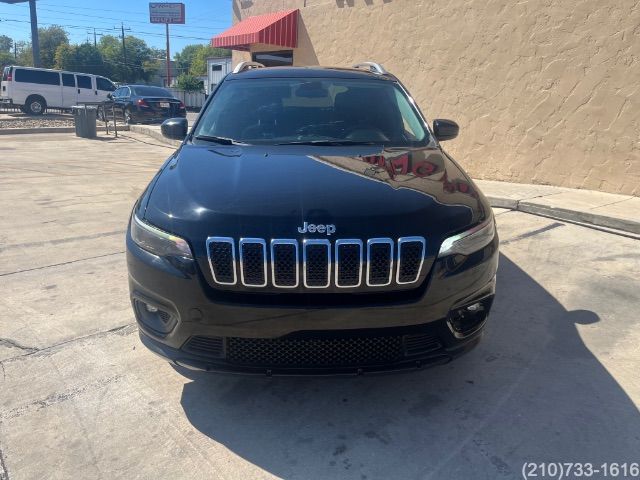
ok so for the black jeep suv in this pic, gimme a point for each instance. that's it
(310, 223)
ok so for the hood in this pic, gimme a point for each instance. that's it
(269, 192)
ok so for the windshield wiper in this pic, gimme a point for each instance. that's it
(220, 140)
(330, 143)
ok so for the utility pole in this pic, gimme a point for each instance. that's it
(168, 59)
(95, 42)
(124, 52)
(35, 41)
(15, 50)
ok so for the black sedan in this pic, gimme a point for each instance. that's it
(141, 104)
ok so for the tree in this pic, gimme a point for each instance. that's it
(193, 58)
(6, 59)
(50, 39)
(5, 44)
(199, 62)
(141, 61)
(83, 58)
(189, 83)
(25, 57)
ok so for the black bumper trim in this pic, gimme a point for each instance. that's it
(195, 362)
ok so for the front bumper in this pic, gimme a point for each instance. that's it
(194, 310)
(149, 115)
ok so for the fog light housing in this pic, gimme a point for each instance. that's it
(155, 318)
(467, 319)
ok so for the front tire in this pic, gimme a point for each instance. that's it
(128, 118)
(35, 105)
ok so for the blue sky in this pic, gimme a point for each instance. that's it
(204, 18)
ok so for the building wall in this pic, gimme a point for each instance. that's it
(545, 92)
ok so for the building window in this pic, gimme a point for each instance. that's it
(216, 68)
(282, 58)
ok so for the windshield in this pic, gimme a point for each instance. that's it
(151, 92)
(317, 111)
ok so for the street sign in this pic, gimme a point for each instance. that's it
(166, 13)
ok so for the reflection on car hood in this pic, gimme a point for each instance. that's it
(268, 192)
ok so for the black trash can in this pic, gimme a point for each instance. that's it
(84, 118)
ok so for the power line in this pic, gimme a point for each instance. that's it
(84, 27)
(108, 18)
(93, 22)
(73, 7)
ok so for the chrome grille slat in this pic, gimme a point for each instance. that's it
(284, 263)
(411, 252)
(221, 252)
(379, 262)
(348, 263)
(316, 263)
(253, 262)
(341, 265)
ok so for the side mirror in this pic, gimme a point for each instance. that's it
(445, 129)
(175, 128)
(109, 96)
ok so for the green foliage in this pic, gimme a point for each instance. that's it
(50, 39)
(189, 83)
(184, 58)
(193, 58)
(25, 57)
(83, 58)
(5, 44)
(6, 59)
(141, 63)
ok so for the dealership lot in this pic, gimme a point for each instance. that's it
(555, 378)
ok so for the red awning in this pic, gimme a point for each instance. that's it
(280, 28)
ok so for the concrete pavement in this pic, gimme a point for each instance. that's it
(554, 379)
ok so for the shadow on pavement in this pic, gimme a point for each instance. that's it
(531, 391)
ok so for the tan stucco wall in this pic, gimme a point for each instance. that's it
(546, 91)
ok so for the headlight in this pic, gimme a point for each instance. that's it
(157, 241)
(466, 243)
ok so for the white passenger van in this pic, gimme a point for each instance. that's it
(35, 89)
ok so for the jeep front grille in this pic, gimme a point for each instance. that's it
(316, 264)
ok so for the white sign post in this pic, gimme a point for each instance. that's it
(167, 13)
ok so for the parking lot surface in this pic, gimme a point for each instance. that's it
(554, 379)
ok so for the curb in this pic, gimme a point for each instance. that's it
(588, 219)
(153, 133)
(24, 131)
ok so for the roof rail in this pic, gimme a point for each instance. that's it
(372, 67)
(242, 66)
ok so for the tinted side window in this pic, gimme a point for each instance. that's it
(68, 80)
(104, 84)
(41, 77)
(84, 81)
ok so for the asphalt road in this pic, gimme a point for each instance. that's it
(554, 379)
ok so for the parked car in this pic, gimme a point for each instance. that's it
(311, 223)
(142, 104)
(36, 89)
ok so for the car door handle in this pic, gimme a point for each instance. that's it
(78, 90)
(96, 92)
